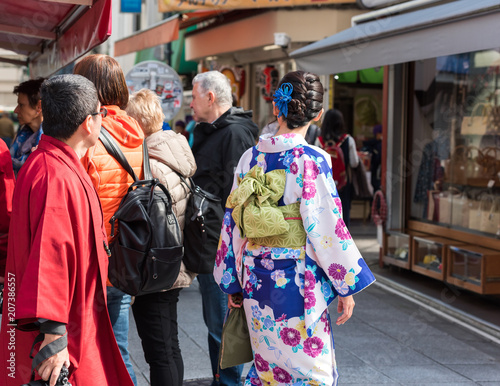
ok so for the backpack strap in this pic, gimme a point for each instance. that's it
(114, 150)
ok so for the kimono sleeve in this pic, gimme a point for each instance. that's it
(330, 244)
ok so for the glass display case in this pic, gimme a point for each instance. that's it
(474, 268)
(429, 256)
(397, 247)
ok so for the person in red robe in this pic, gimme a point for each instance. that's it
(7, 181)
(55, 279)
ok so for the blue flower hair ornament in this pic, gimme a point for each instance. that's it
(282, 97)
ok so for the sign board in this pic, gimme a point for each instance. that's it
(160, 78)
(131, 6)
(182, 5)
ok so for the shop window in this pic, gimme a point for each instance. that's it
(454, 160)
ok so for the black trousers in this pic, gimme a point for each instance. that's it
(156, 319)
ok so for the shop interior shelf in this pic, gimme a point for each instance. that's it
(429, 255)
(474, 268)
(397, 247)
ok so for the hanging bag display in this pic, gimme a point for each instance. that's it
(477, 123)
(490, 216)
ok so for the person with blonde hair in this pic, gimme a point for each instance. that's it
(156, 314)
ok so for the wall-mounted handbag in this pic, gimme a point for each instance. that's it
(475, 207)
(477, 123)
(460, 210)
(446, 204)
(489, 161)
(455, 170)
(490, 216)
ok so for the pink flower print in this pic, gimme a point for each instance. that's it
(288, 135)
(311, 170)
(255, 381)
(324, 319)
(309, 280)
(281, 318)
(297, 152)
(281, 375)
(341, 230)
(248, 287)
(221, 253)
(337, 271)
(309, 299)
(309, 190)
(338, 203)
(290, 336)
(313, 346)
(294, 168)
(260, 363)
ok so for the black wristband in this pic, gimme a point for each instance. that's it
(51, 327)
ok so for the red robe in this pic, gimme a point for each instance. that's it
(56, 270)
(7, 181)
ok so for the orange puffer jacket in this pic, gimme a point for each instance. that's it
(109, 178)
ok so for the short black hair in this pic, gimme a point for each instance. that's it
(66, 101)
(30, 88)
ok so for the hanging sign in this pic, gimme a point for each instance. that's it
(182, 5)
(130, 6)
(160, 78)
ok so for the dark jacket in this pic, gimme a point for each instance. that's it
(218, 147)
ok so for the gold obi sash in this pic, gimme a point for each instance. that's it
(257, 214)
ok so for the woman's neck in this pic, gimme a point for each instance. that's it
(283, 129)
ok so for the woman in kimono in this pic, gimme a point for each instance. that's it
(285, 249)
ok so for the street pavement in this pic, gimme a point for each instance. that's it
(395, 337)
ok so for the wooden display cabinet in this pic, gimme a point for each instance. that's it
(474, 268)
(428, 255)
(397, 245)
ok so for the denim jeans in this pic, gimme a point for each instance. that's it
(214, 303)
(156, 320)
(118, 310)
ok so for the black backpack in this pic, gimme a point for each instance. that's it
(204, 215)
(146, 250)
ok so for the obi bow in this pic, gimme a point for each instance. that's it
(255, 203)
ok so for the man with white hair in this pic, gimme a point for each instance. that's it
(222, 135)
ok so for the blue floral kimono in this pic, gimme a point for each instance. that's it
(287, 290)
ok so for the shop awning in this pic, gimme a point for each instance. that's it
(49, 34)
(451, 28)
(163, 32)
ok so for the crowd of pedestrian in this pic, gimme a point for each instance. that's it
(284, 253)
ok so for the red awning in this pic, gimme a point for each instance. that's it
(164, 32)
(49, 34)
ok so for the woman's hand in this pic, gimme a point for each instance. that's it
(235, 300)
(346, 304)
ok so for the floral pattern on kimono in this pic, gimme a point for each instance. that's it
(287, 290)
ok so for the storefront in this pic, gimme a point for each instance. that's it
(441, 134)
(253, 48)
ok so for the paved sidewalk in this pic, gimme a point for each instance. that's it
(389, 340)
